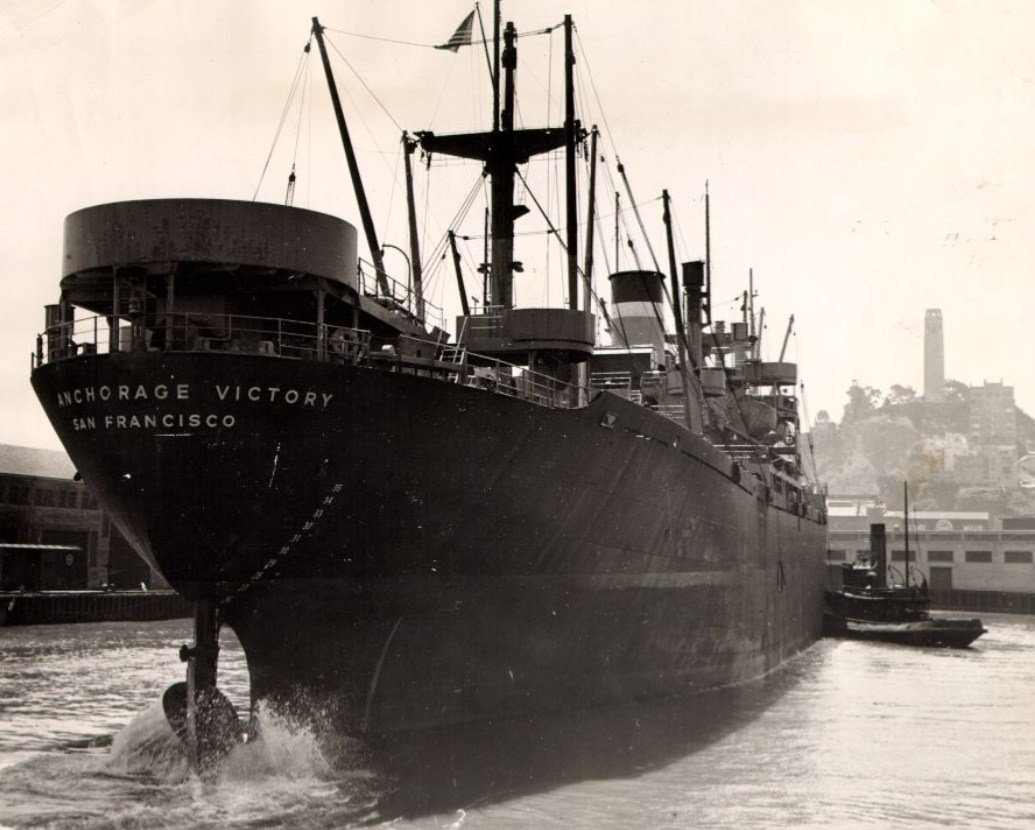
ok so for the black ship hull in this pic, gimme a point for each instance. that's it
(399, 553)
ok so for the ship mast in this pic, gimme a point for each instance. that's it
(409, 145)
(350, 154)
(905, 514)
(501, 150)
(571, 128)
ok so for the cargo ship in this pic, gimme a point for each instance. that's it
(408, 529)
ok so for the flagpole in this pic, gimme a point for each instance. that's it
(496, 66)
(485, 40)
(570, 139)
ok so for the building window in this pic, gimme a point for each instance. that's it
(1017, 557)
(836, 555)
(979, 556)
(900, 556)
(939, 556)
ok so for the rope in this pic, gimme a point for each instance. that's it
(473, 41)
(564, 247)
(359, 77)
(283, 116)
(596, 95)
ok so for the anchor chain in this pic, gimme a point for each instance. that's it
(289, 547)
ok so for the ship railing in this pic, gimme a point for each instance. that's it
(748, 453)
(397, 296)
(485, 325)
(190, 332)
(611, 381)
(477, 371)
(617, 383)
(673, 411)
(301, 340)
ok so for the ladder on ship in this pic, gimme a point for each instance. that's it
(456, 355)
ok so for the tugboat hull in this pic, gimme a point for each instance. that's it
(932, 632)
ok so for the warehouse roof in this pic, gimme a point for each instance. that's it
(37, 463)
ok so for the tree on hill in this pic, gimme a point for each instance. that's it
(862, 403)
(956, 391)
(982, 499)
(899, 395)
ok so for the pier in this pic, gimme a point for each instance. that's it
(52, 607)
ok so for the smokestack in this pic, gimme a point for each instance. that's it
(693, 287)
(879, 553)
(638, 299)
(934, 357)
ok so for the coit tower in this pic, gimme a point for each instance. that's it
(934, 357)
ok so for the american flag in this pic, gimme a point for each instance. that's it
(462, 35)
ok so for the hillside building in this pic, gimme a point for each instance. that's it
(993, 432)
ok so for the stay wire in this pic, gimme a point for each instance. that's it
(283, 116)
(303, 100)
(472, 42)
(581, 272)
(370, 92)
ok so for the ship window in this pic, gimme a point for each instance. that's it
(939, 556)
(979, 556)
(1017, 557)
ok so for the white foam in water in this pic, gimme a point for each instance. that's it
(283, 771)
(147, 745)
(283, 749)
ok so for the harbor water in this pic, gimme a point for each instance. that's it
(845, 735)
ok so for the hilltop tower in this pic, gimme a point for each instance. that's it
(934, 357)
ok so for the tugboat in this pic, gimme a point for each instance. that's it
(866, 607)
(407, 530)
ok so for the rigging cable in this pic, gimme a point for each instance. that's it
(359, 77)
(552, 230)
(636, 213)
(303, 61)
(472, 42)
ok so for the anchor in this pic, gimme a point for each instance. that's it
(201, 716)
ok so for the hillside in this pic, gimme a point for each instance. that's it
(885, 440)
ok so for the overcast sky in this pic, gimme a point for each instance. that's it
(868, 159)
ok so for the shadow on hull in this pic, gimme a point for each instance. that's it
(444, 771)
